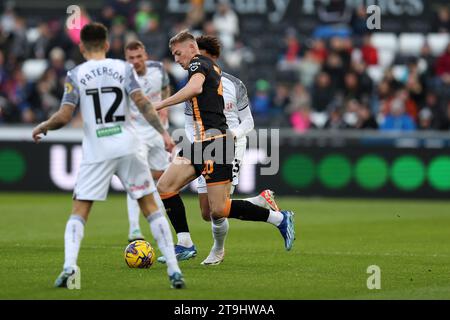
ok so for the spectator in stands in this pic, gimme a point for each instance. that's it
(428, 60)
(301, 119)
(45, 95)
(290, 51)
(335, 68)
(410, 107)
(209, 28)
(352, 89)
(365, 118)
(124, 8)
(441, 23)
(8, 19)
(365, 82)
(397, 119)
(196, 15)
(323, 92)
(57, 62)
(415, 83)
(335, 120)
(19, 45)
(358, 21)
(389, 77)
(368, 51)
(15, 90)
(442, 67)
(41, 45)
(343, 47)
(107, 15)
(308, 67)
(261, 101)
(299, 99)
(425, 119)
(319, 50)
(146, 19)
(281, 99)
(434, 109)
(226, 23)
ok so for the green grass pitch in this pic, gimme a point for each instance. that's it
(336, 242)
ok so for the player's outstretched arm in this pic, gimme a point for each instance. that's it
(56, 121)
(193, 88)
(148, 111)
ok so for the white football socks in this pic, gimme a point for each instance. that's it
(133, 213)
(275, 218)
(72, 240)
(219, 230)
(161, 232)
(184, 239)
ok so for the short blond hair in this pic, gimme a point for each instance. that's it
(182, 36)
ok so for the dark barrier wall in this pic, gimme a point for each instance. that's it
(314, 168)
(397, 15)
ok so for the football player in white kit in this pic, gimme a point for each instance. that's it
(101, 87)
(154, 81)
(240, 121)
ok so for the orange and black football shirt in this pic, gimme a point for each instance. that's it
(207, 107)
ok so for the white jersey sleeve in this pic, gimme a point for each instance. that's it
(237, 111)
(189, 121)
(131, 82)
(71, 91)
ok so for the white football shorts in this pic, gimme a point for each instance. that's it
(94, 178)
(238, 156)
(155, 152)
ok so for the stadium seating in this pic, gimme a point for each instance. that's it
(410, 44)
(386, 41)
(437, 42)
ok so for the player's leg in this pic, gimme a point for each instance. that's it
(222, 206)
(135, 175)
(160, 229)
(92, 185)
(133, 210)
(219, 227)
(134, 232)
(266, 199)
(158, 161)
(179, 174)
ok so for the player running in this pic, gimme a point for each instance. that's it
(101, 87)
(154, 81)
(212, 152)
(240, 121)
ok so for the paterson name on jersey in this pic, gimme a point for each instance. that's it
(101, 89)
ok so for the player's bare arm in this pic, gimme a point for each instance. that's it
(56, 121)
(147, 109)
(164, 113)
(193, 88)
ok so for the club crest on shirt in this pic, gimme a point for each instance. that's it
(194, 66)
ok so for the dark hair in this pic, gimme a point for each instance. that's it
(181, 37)
(134, 45)
(210, 44)
(93, 36)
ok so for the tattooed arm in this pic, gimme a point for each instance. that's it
(148, 111)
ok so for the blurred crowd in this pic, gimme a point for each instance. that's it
(323, 78)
